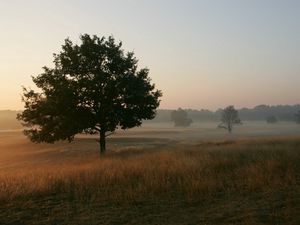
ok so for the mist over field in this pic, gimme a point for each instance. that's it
(181, 167)
(199, 174)
(283, 113)
(154, 112)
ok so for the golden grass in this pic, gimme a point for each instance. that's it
(263, 173)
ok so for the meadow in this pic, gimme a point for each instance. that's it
(155, 174)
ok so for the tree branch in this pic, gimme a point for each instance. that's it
(97, 128)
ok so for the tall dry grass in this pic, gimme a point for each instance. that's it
(200, 171)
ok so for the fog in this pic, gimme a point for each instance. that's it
(8, 120)
(161, 131)
(205, 128)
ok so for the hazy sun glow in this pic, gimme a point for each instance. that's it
(201, 54)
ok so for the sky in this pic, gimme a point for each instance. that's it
(201, 53)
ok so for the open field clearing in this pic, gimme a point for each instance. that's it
(17, 152)
(153, 175)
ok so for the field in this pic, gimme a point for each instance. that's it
(155, 174)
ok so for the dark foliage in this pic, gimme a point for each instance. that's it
(180, 118)
(271, 119)
(94, 87)
(230, 117)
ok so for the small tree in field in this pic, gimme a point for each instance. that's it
(297, 115)
(94, 87)
(230, 117)
(271, 119)
(180, 118)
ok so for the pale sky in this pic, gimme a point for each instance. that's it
(201, 53)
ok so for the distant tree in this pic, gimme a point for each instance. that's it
(94, 87)
(271, 119)
(229, 118)
(297, 115)
(180, 118)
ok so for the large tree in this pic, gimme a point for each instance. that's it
(94, 87)
(230, 117)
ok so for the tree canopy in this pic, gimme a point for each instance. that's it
(180, 118)
(271, 119)
(229, 118)
(94, 87)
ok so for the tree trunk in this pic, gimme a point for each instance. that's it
(102, 143)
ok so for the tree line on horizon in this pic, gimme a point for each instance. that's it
(268, 113)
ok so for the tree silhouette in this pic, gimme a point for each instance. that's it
(180, 118)
(93, 88)
(229, 118)
(271, 119)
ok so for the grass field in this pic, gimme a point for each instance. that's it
(151, 176)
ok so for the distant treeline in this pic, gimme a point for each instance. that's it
(258, 113)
